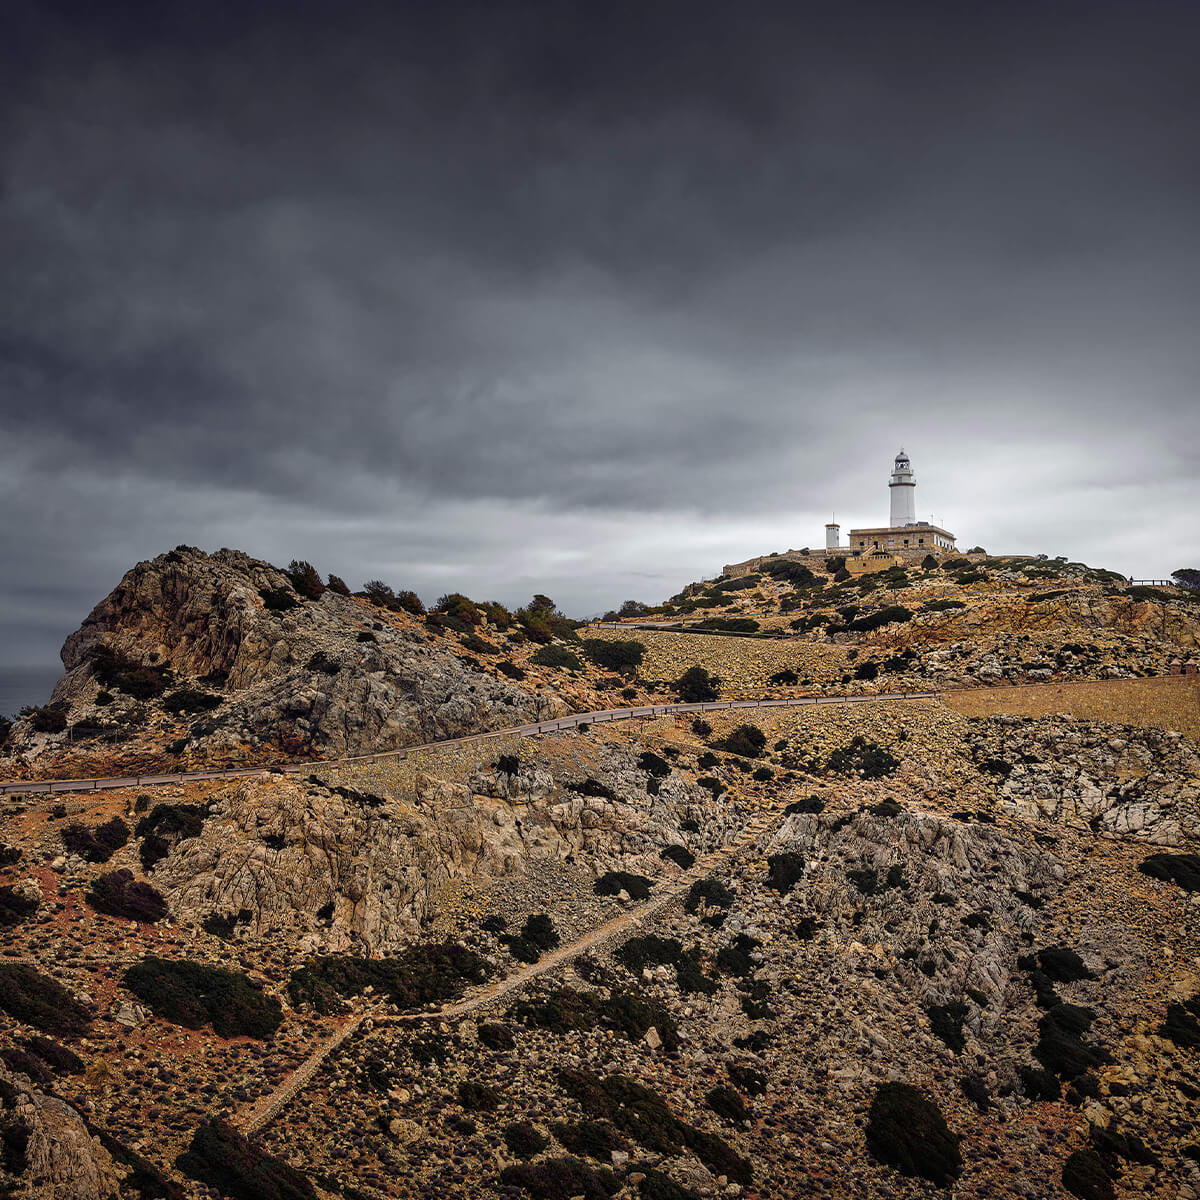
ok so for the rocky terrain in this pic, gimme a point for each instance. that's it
(873, 950)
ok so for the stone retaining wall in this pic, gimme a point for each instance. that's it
(1165, 702)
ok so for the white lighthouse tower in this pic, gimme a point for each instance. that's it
(904, 493)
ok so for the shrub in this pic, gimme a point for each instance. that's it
(418, 975)
(810, 804)
(37, 1000)
(749, 1079)
(612, 882)
(862, 758)
(118, 894)
(791, 572)
(189, 701)
(1061, 1047)
(681, 856)
(278, 599)
(908, 1132)
(1181, 1025)
(593, 1139)
(746, 741)
(337, 585)
(495, 1036)
(937, 606)
(735, 959)
(50, 718)
(323, 663)
(478, 1097)
(555, 1178)
(225, 1160)
(1062, 964)
(867, 670)
(304, 578)
(14, 906)
(365, 635)
(1084, 1175)
(893, 614)
(96, 845)
(539, 929)
(621, 656)
(553, 655)
(1181, 869)
(727, 1103)
(524, 1139)
(697, 686)
(710, 892)
(562, 1010)
(512, 671)
(165, 827)
(946, 1021)
(194, 995)
(1038, 1084)
(784, 871)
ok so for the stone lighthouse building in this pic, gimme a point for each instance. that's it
(903, 537)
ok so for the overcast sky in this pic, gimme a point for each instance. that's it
(589, 298)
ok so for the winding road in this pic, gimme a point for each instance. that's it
(12, 787)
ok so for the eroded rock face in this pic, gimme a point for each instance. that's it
(59, 1160)
(297, 680)
(336, 869)
(975, 884)
(1139, 783)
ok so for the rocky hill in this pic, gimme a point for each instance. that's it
(880, 949)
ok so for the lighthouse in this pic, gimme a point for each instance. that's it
(904, 491)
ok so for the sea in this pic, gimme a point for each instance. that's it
(25, 685)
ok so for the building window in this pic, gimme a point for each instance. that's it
(920, 541)
(906, 541)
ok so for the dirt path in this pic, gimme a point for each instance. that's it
(268, 1107)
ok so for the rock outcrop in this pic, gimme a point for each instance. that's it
(274, 672)
(1117, 779)
(338, 868)
(48, 1152)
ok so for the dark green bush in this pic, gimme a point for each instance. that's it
(622, 656)
(1062, 964)
(1038, 1084)
(862, 758)
(1181, 869)
(511, 670)
(478, 1097)
(118, 894)
(681, 856)
(222, 1158)
(524, 1139)
(539, 929)
(891, 615)
(611, 882)
(946, 1021)
(1061, 1047)
(50, 718)
(653, 764)
(557, 1178)
(697, 686)
(867, 670)
(727, 1103)
(592, 1139)
(811, 804)
(710, 892)
(194, 995)
(278, 599)
(749, 1079)
(418, 975)
(746, 741)
(553, 655)
(55, 1056)
(478, 645)
(495, 1036)
(561, 1010)
(784, 871)
(907, 1131)
(304, 578)
(189, 701)
(337, 585)
(37, 1000)
(937, 606)
(323, 663)
(1084, 1175)
(15, 907)
(165, 827)
(1181, 1025)
(96, 845)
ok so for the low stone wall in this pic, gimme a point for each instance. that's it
(1166, 702)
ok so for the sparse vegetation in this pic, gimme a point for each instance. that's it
(119, 894)
(225, 1160)
(29, 996)
(862, 758)
(96, 845)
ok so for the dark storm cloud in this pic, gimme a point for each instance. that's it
(588, 297)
